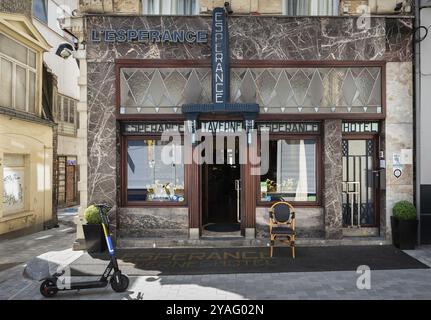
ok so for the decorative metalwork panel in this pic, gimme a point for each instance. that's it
(295, 90)
(276, 90)
(358, 183)
(163, 90)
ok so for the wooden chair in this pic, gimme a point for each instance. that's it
(282, 225)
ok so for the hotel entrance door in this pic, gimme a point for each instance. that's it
(360, 183)
(221, 194)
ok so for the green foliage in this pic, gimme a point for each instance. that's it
(92, 215)
(404, 210)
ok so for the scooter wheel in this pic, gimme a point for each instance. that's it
(48, 288)
(121, 285)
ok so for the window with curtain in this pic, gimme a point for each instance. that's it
(40, 10)
(292, 174)
(170, 7)
(151, 178)
(17, 75)
(311, 7)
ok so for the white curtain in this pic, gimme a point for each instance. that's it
(279, 164)
(302, 187)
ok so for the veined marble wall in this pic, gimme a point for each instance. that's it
(154, 223)
(398, 135)
(309, 222)
(265, 38)
(333, 171)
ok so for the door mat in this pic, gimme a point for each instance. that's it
(188, 261)
(223, 227)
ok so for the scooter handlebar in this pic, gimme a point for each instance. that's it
(103, 210)
(103, 206)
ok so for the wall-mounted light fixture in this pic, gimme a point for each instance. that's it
(64, 50)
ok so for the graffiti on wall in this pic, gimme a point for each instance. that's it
(13, 189)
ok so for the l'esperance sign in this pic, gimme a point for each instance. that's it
(146, 36)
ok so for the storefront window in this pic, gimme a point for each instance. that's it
(292, 171)
(155, 172)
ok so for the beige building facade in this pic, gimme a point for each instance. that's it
(26, 136)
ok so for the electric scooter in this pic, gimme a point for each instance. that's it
(119, 282)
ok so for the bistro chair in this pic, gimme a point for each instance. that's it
(282, 225)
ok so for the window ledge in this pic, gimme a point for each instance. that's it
(17, 215)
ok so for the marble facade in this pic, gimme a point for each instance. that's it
(251, 38)
(398, 135)
(333, 173)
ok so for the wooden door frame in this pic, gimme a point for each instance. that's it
(203, 169)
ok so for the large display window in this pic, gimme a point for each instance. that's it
(155, 171)
(293, 173)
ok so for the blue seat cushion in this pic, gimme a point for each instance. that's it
(282, 230)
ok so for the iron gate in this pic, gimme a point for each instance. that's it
(359, 183)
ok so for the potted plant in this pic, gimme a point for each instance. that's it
(404, 225)
(93, 231)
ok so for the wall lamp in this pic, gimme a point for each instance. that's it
(65, 50)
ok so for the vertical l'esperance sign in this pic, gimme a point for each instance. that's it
(220, 57)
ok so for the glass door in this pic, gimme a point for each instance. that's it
(360, 183)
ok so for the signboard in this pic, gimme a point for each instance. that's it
(155, 128)
(214, 126)
(397, 167)
(148, 36)
(221, 126)
(406, 156)
(360, 127)
(289, 127)
(220, 57)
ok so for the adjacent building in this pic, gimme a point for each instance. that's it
(332, 84)
(65, 94)
(39, 92)
(26, 130)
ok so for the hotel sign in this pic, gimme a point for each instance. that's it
(220, 57)
(289, 127)
(148, 36)
(360, 127)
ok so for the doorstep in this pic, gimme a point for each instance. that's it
(210, 242)
(361, 232)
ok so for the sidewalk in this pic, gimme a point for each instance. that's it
(55, 246)
(385, 284)
(389, 284)
(15, 253)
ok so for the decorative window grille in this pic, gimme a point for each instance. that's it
(276, 90)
